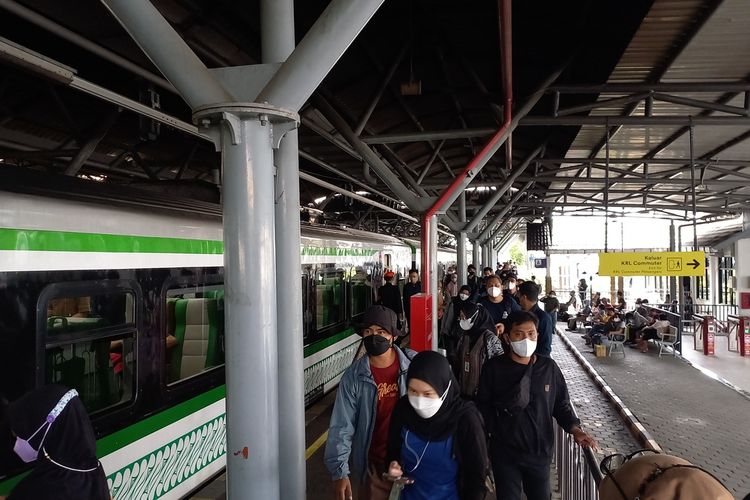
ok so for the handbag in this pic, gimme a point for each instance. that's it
(519, 399)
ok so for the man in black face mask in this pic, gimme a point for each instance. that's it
(369, 389)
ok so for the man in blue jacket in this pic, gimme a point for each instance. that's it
(367, 394)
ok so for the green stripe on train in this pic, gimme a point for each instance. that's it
(319, 346)
(124, 437)
(67, 241)
(339, 252)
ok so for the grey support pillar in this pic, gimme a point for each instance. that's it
(461, 257)
(289, 319)
(461, 241)
(476, 256)
(434, 278)
(672, 279)
(277, 42)
(246, 135)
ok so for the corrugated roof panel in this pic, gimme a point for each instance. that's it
(655, 38)
(719, 50)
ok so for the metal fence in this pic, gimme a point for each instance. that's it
(578, 474)
(682, 316)
(721, 312)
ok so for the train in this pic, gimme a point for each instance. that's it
(119, 294)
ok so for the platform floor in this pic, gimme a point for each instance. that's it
(687, 412)
(727, 365)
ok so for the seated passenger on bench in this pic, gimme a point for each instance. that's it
(652, 332)
(612, 323)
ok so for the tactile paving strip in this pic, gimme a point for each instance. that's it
(597, 415)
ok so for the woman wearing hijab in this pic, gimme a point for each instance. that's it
(478, 343)
(53, 430)
(449, 330)
(436, 438)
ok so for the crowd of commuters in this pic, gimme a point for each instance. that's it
(444, 426)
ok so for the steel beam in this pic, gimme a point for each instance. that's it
(67, 76)
(436, 135)
(86, 44)
(380, 90)
(345, 176)
(577, 162)
(490, 204)
(368, 155)
(323, 45)
(483, 236)
(90, 145)
(602, 103)
(169, 52)
(626, 88)
(315, 180)
(640, 206)
(342, 145)
(628, 180)
(635, 121)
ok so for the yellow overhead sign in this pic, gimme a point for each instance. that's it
(652, 264)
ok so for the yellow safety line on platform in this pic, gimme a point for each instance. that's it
(316, 445)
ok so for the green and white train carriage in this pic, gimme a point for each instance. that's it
(125, 303)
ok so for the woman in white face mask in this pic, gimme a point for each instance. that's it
(436, 438)
(478, 343)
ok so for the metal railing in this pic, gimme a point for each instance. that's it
(684, 317)
(578, 474)
(719, 311)
(733, 333)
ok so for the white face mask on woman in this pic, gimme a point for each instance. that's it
(427, 407)
(494, 291)
(467, 323)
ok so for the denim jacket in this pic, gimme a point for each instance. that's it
(353, 418)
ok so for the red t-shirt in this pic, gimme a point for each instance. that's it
(386, 379)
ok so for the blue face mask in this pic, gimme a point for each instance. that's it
(23, 447)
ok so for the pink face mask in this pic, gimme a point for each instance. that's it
(23, 447)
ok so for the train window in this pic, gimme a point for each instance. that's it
(194, 335)
(360, 292)
(329, 300)
(89, 341)
(308, 301)
(387, 260)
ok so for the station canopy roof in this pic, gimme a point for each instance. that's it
(650, 112)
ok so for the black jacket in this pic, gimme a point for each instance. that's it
(390, 297)
(527, 434)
